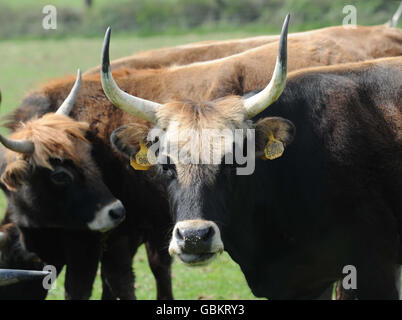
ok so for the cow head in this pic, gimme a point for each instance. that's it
(50, 178)
(193, 141)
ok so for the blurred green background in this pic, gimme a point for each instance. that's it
(149, 17)
(30, 55)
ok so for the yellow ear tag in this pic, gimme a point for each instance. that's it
(141, 159)
(274, 148)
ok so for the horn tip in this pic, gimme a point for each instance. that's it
(105, 51)
(286, 22)
(79, 77)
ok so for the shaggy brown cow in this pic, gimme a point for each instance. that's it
(333, 199)
(56, 195)
(147, 221)
(368, 39)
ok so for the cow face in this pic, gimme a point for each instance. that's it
(51, 179)
(199, 183)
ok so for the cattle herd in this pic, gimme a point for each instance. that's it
(324, 109)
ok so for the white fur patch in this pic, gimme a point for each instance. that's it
(103, 221)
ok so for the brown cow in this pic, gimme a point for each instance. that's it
(251, 69)
(211, 50)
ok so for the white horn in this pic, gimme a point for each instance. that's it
(135, 106)
(21, 146)
(259, 102)
(68, 103)
(395, 18)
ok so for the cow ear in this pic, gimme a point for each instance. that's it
(273, 134)
(130, 141)
(124, 140)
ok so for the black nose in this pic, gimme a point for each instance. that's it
(117, 212)
(195, 240)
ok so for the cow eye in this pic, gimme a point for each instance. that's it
(168, 169)
(61, 177)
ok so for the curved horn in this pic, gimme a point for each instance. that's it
(259, 102)
(11, 276)
(68, 103)
(21, 146)
(138, 107)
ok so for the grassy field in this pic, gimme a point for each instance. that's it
(24, 64)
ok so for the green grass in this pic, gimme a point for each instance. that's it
(222, 279)
(24, 64)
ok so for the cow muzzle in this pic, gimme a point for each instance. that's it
(196, 242)
(110, 216)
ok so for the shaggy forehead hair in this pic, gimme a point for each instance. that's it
(205, 122)
(54, 136)
(228, 112)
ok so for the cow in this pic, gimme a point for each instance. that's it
(44, 154)
(248, 70)
(327, 195)
(80, 249)
(158, 85)
(362, 38)
(56, 195)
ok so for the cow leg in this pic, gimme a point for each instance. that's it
(160, 263)
(117, 272)
(82, 251)
(377, 281)
(398, 280)
(107, 293)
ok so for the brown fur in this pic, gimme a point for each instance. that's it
(356, 39)
(280, 129)
(54, 136)
(5, 229)
(226, 114)
(252, 69)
